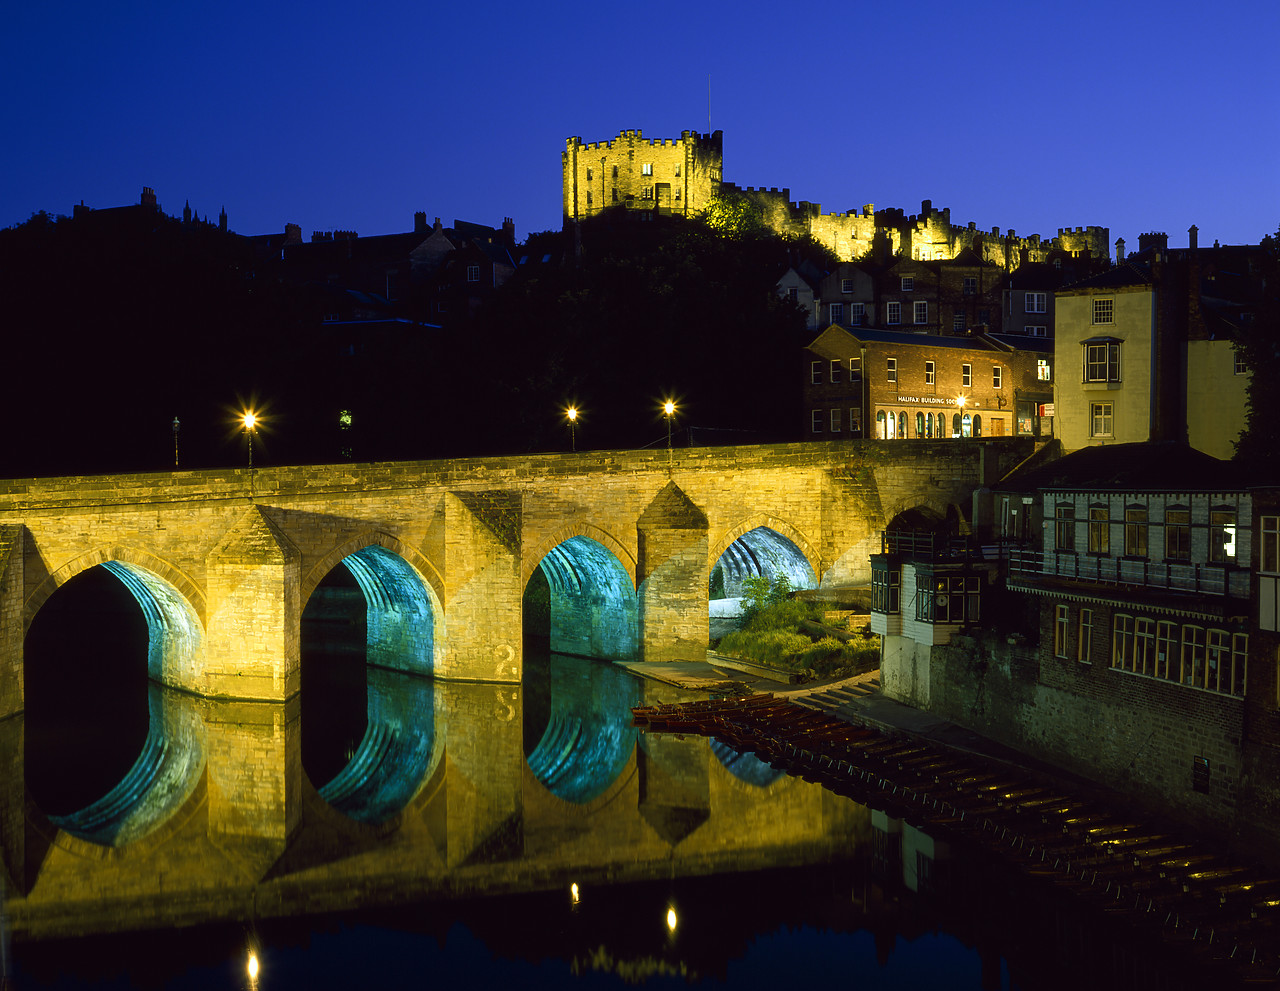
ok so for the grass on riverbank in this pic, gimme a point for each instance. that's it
(773, 634)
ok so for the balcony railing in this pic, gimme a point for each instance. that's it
(1206, 579)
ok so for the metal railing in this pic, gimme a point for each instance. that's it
(1181, 576)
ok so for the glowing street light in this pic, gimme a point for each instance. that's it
(250, 420)
(571, 414)
(669, 411)
(176, 427)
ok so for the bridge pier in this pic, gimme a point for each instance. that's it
(671, 572)
(11, 633)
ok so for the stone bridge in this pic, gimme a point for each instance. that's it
(222, 563)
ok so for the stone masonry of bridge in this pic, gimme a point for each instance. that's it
(232, 557)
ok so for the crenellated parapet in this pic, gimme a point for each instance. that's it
(667, 175)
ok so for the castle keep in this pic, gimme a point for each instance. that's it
(683, 176)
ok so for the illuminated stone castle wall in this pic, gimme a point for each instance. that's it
(673, 176)
(686, 174)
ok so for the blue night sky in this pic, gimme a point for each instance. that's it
(1138, 116)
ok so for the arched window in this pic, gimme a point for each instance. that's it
(955, 424)
(977, 425)
(902, 425)
(966, 426)
(920, 425)
(928, 425)
(880, 431)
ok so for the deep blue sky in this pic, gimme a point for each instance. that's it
(1137, 116)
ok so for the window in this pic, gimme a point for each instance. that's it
(1240, 368)
(1135, 531)
(920, 428)
(835, 370)
(966, 375)
(855, 369)
(1177, 534)
(884, 590)
(920, 311)
(957, 322)
(893, 313)
(1037, 302)
(1166, 650)
(1043, 372)
(646, 168)
(677, 169)
(984, 317)
(615, 172)
(1100, 420)
(1144, 641)
(815, 421)
(892, 368)
(793, 293)
(995, 376)
(949, 599)
(1099, 530)
(929, 373)
(902, 425)
(1193, 655)
(1084, 645)
(856, 312)
(1102, 361)
(835, 421)
(837, 312)
(855, 421)
(1036, 330)
(588, 197)
(970, 285)
(908, 284)
(615, 194)
(846, 285)
(1104, 311)
(588, 175)
(1269, 553)
(815, 373)
(1222, 536)
(1060, 631)
(473, 273)
(1064, 527)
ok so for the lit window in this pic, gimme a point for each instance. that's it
(815, 421)
(855, 421)
(646, 168)
(996, 376)
(835, 370)
(1099, 530)
(928, 373)
(1102, 361)
(1100, 420)
(920, 311)
(892, 368)
(1135, 531)
(893, 313)
(966, 375)
(920, 428)
(908, 284)
(1123, 642)
(1043, 373)
(1104, 311)
(835, 421)
(856, 312)
(1177, 534)
(837, 312)
(1037, 302)
(855, 369)
(1222, 536)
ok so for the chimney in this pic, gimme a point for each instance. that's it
(1193, 237)
(437, 226)
(149, 197)
(292, 234)
(420, 222)
(1119, 251)
(509, 232)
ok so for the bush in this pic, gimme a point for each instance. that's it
(771, 635)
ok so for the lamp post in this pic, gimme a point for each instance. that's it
(571, 414)
(176, 427)
(669, 411)
(250, 420)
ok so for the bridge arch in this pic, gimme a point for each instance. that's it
(764, 538)
(315, 574)
(578, 528)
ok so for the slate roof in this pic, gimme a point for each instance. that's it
(1116, 277)
(1147, 467)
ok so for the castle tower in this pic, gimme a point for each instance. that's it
(666, 176)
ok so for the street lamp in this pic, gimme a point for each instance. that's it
(250, 420)
(176, 426)
(669, 410)
(571, 414)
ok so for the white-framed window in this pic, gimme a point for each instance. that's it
(966, 375)
(958, 322)
(815, 373)
(970, 285)
(1061, 616)
(1064, 527)
(815, 421)
(855, 420)
(846, 285)
(1037, 302)
(837, 366)
(1101, 423)
(473, 273)
(857, 312)
(996, 376)
(837, 312)
(855, 369)
(1037, 330)
(1239, 367)
(1102, 361)
(908, 283)
(646, 168)
(1043, 371)
(1269, 552)
(1177, 534)
(893, 312)
(1099, 530)
(1135, 531)
(1222, 536)
(920, 311)
(1084, 645)
(835, 421)
(892, 368)
(929, 370)
(1104, 310)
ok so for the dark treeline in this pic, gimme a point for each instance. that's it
(118, 321)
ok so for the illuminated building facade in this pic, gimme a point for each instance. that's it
(663, 176)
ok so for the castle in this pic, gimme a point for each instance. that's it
(682, 176)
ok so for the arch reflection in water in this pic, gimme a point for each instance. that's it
(761, 552)
(746, 767)
(589, 737)
(161, 780)
(395, 756)
(592, 601)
